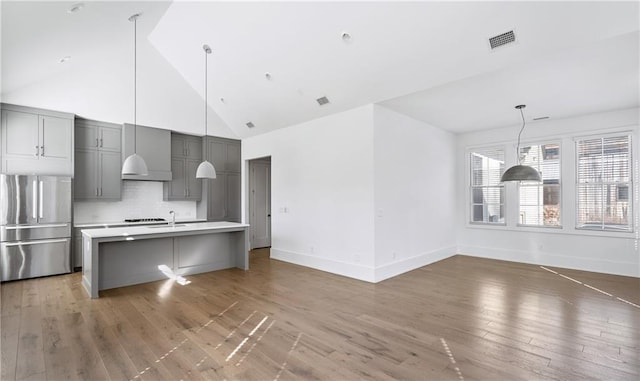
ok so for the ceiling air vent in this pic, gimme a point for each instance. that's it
(250, 124)
(502, 39)
(322, 101)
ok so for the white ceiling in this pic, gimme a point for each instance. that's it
(429, 60)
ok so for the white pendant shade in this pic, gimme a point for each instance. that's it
(205, 171)
(135, 165)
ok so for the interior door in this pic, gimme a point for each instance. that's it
(260, 214)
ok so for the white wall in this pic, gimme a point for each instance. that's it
(321, 192)
(615, 253)
(140, 199)
(415, 193)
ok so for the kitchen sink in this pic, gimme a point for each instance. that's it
(166, 226)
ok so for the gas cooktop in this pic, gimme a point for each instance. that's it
(156, 219)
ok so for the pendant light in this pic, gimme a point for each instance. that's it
(521, 172)
(205, 169)
(134, 164)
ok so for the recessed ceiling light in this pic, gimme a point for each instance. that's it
(64, 59)
(268, 76)
(346, 37)
(75, 8)
(250, 124)
(222, 100)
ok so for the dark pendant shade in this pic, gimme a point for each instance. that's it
(521, 173)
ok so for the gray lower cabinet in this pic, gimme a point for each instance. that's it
(36, 141)
(98, 161)
(77, 249)
(223, 198)
(186, 156)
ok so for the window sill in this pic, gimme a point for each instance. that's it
(555, 230)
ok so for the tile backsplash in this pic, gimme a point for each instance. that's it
(140, 199)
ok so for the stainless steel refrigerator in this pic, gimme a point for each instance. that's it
(35, 226)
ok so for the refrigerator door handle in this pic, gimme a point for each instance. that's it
(35, 199)
(41, 201)
(38, 242)
(36, 226)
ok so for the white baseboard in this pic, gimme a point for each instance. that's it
(350, 270)
(556, 260)
(402, 266)
(361, 272)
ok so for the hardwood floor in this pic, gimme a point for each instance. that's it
(462, 318)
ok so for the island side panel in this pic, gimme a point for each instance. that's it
(240, 248)
(202, 253)
(132, 262)
(90, 265)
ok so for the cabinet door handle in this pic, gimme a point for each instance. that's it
(38, 242)
(100, 142)
(96, 142)
(37, 152)
(41, 150)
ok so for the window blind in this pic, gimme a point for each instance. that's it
(487, 193)
(604, 183)
(539, 203)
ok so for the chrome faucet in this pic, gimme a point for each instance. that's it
(173, 218)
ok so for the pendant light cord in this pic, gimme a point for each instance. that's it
(207, 51)
(135, 83)
(522, 129)
(206, 129)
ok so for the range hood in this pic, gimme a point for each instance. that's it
(154, 145)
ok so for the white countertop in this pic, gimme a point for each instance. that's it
(91, 225)
(132, 231)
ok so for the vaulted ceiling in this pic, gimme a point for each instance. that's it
(429, 60)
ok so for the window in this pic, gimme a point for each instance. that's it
(604, 183)
(487, 193)
(540, 202)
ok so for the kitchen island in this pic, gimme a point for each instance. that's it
(117, 257)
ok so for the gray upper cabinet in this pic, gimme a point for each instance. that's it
(186, 155)
(223, 198)
(98, 160)
(224, 154)
(34, 141)
(154, 145)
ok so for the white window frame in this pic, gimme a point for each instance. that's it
(630, 212)
(471, 187)
(558, 142)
